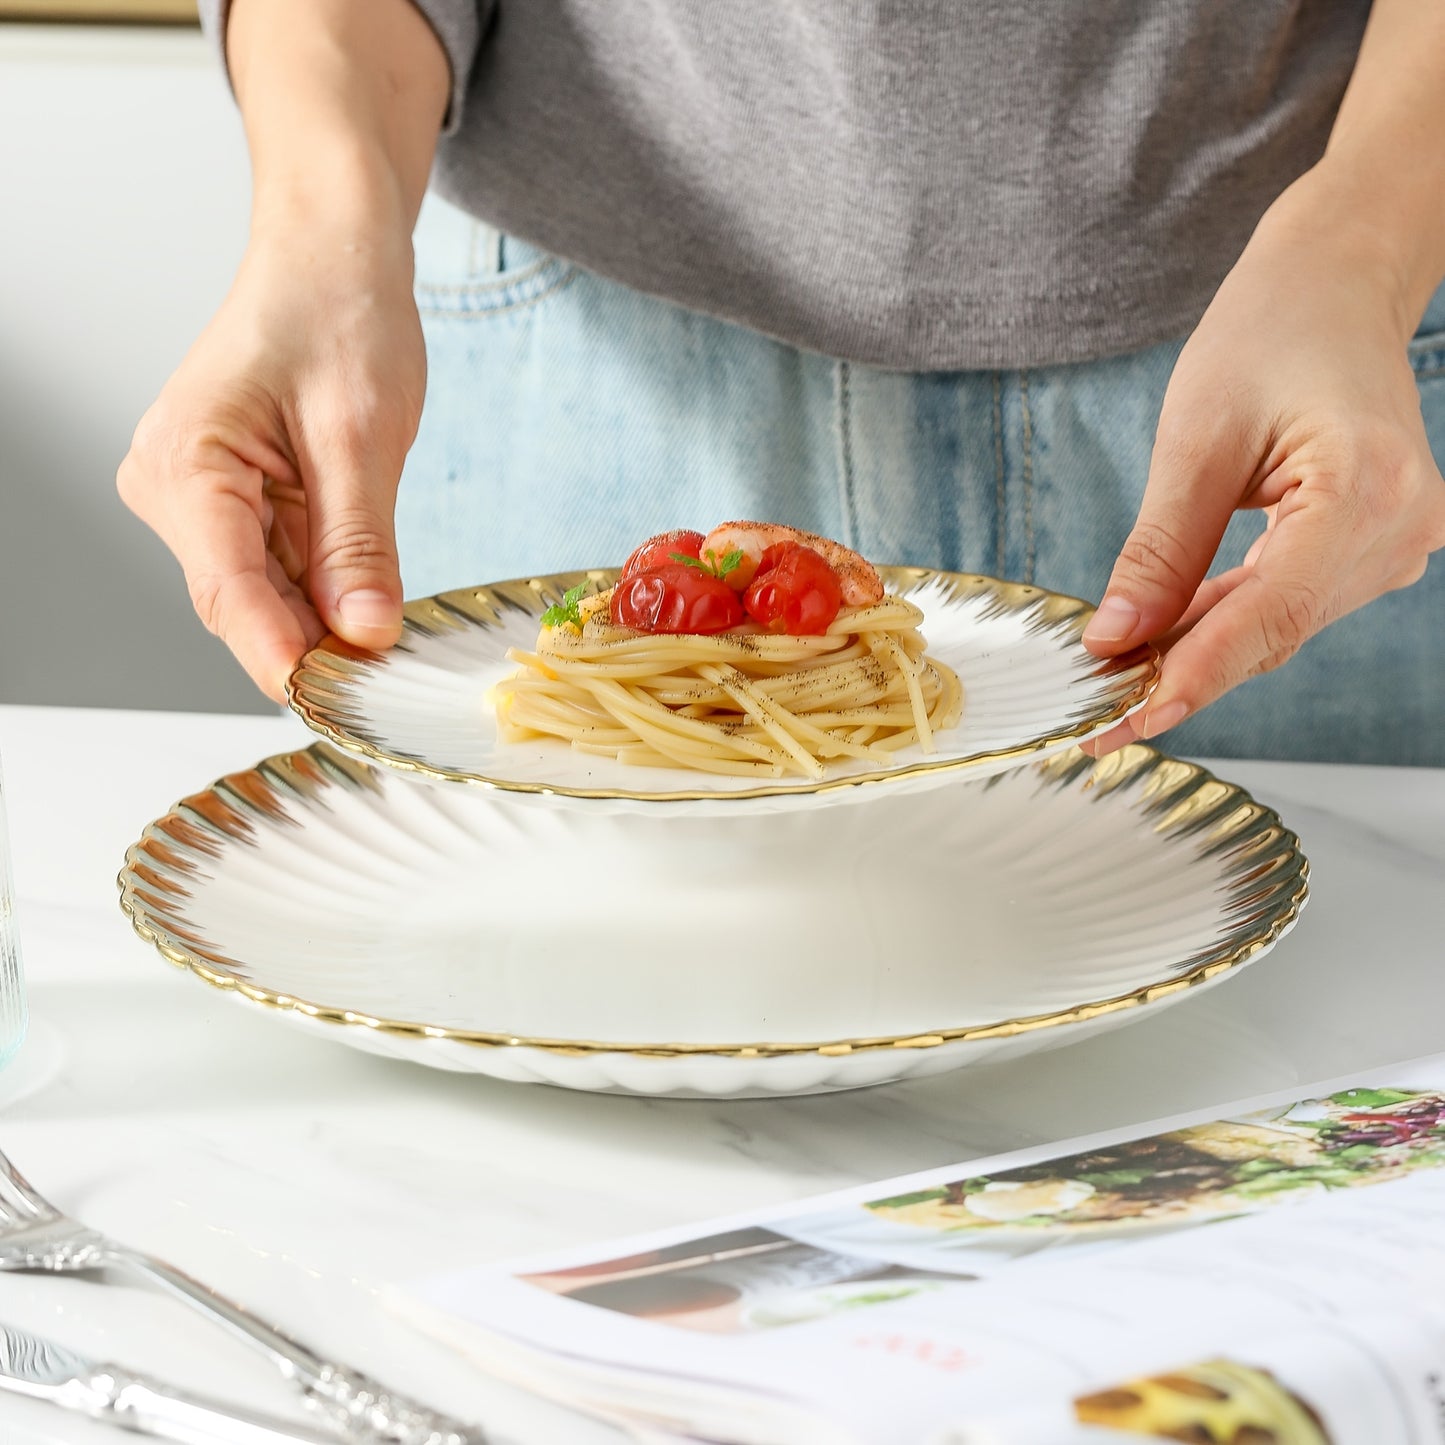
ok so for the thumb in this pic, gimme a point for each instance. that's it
(353, 576)
(1196, 479)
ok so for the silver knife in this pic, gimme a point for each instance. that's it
(37, 1367)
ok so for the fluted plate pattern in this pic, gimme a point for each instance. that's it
(680, 954)
(1031, 689)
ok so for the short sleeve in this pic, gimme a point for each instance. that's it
(457, 23)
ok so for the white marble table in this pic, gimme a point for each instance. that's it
(303, 1177)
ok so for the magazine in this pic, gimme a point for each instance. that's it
(1270, 1273)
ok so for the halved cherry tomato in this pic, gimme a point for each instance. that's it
(794, 591)
(859, 580)
(675, 598)
(658, 551)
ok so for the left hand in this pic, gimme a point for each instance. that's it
(1293, 395)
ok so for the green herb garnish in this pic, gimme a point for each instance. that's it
(731, 561)
(567, 612)
(1372, 1098)
(899, 1200)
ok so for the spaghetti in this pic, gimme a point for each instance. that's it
(747, 701)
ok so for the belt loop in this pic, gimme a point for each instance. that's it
(485, 251)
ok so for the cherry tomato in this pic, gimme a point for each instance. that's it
(794, 591)
(658, 551)
(675, 598)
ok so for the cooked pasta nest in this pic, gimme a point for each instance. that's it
(745, 702)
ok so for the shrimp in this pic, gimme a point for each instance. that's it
(857, 578)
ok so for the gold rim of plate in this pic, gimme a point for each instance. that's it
(322, 688)
(1269, 878)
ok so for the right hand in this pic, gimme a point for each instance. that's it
(269, 464)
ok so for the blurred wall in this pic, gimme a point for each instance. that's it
(124, 193)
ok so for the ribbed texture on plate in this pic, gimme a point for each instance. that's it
(437, 924)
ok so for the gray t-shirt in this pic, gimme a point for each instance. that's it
(918, 184)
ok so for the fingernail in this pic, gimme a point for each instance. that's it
(1160, 719)
(367, 607)
(1115, 620)
(1110, 742)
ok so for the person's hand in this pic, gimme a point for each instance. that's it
(1293, 395)
(269, 464)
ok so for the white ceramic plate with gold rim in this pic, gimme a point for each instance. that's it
(679, 954)
(1031, 689)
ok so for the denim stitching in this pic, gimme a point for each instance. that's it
(1000, 500)
(845, 453)
(1028, 476)
(518, 277)
(520, 303)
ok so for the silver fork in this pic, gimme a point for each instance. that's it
(36, 1236)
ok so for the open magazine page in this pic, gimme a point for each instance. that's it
(1275, 1274)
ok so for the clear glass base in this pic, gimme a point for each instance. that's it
(12, 992)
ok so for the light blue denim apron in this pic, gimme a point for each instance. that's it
(567, 418)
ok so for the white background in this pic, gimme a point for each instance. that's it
(124, 194)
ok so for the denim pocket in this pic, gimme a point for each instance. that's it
(464, 267)
(526, 277)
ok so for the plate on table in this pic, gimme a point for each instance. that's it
(1031, 689)
(684, 954)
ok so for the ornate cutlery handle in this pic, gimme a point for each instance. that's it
(357, 1406)
(347, 1401)
(136, 1403)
